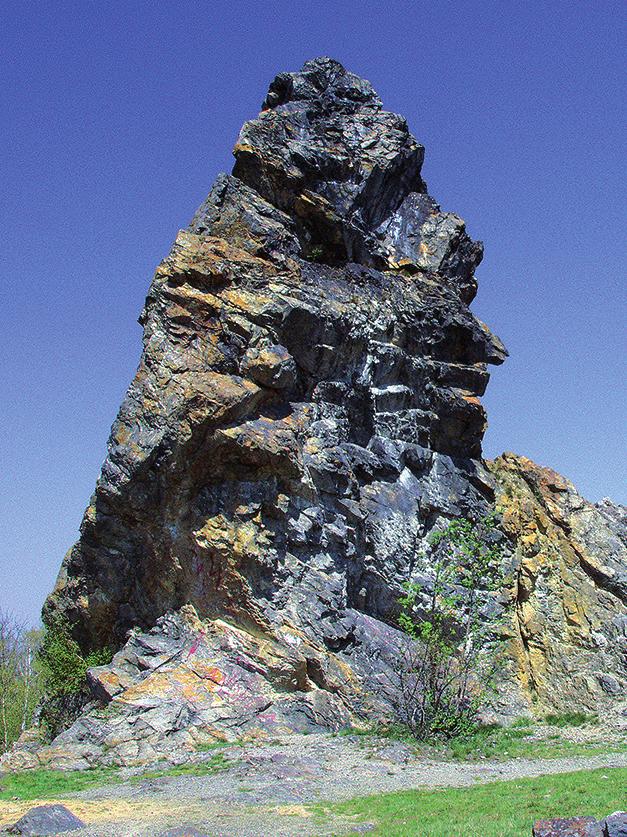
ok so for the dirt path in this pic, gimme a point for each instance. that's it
(266, 788)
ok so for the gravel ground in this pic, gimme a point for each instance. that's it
(265, 789)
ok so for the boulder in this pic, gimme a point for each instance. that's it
(573, 827)
(47, 820)
(616, 824)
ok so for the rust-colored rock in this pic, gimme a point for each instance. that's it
(569, 598)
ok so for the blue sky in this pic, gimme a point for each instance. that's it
(117, 117)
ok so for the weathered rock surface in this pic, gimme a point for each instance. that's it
(569, 594)
(568, 827)
(288, 416)
(305, 412)
(616, 824)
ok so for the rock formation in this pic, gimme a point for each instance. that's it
(569, 592)
(305, 412)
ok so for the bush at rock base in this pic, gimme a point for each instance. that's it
(64, 670)
(449, 667)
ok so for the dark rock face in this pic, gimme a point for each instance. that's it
(295, 426)
(306, 410)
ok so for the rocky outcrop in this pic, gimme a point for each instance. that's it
(569, 594)
(306, 411)
(310, 376)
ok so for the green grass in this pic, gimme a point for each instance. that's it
(499, 809)
(208, 746)
(571, 719)
(39, 784)
(493, 741)
(205, 768)
(397, 732)
(517, 741)
(42, 784)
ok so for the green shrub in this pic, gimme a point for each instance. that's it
(64, 673)
(446, 673)
(64, 666)
(315, 254)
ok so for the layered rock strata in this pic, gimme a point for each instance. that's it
(305, 412)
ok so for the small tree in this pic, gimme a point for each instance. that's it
(30, 676)
(447, 669)
(9, 652)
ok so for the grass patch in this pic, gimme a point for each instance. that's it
(492, 810)
(205, 768)
(45, 784)
(518, 741)
(39, 784)
(395, 732)
(492, 741)
(208, 746)
(571, 719)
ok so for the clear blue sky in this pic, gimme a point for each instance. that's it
(117, 117)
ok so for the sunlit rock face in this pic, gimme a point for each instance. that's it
(569, 592)
(306, 410)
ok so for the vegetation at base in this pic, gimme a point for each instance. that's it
(43, 784)
(64, 666)
(64, 676)
(49, 784)
(491, 810)
(208, 746)
(571, 719)
(448, 669)
(397, 732)
(493, 741)
(213, 765)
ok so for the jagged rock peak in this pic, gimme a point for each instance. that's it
(276, 366)
(348, 176)
(322, 81)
